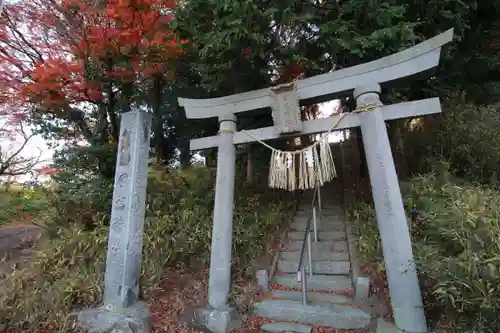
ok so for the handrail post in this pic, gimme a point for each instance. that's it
(319, 197)
(301, 270)
(315, 226)
(319, 209)
(304, 285)
(309, 252)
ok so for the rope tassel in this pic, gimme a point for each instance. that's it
(290, 165)
(302, 169)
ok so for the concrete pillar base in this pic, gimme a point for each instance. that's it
(134, 319)
(207, 319)
(263, 281)
(362, 288)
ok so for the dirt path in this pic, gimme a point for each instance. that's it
(16, 243)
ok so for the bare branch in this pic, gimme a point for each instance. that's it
(12, 163)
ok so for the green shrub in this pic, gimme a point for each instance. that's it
(67, 272)
(21, 204)
(456, 245)
(77, 197)
(466, 135)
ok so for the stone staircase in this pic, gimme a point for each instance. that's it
(331, 302)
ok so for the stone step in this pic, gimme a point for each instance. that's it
(332, 203)
(329, 315)
(330, 209)
(316, 256)
(286, 327)
(293, 295)
(316, 282)
(300, 225)
(326, 219)
(322, 235)
(321, 246)
(319, 221)
(325, 193)
(319, 267)
(324, 203)
(324, 212)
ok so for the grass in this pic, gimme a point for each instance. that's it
(456, 246)
(67, 271)
(20, 205)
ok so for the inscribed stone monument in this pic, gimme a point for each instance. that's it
(122, 309)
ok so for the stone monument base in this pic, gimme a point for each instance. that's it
(134, 319)
(207, 319)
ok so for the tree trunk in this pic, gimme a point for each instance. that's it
(8, 183)
(211, 157)
(307, 113)
(396, 135)
(156, 100)
(126, 97)
(158, 140)
(363, 165)
(250, 168)
(185, 153)
(111, 104)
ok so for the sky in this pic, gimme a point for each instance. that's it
(325, 110)
(35, 147)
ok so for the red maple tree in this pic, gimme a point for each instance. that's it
(76, 63)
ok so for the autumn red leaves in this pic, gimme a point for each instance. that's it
(57, 53)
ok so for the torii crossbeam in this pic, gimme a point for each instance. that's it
(364, 83)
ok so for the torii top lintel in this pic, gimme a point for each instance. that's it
(412, 61)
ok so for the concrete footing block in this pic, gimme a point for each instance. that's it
(207, 319)
(134, 319)
(262, 280)
(362, 288)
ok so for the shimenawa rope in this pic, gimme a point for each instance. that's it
(314, 165)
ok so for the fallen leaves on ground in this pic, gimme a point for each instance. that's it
(380, 286)
(322, 329)
(179, 291)
(280, 273)
(346, 292)
(284, 249)
(252, 324)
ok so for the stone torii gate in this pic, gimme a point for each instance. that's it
(363, 82)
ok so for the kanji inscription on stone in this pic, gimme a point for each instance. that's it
(125, 148)
(123, 263)
(285, 107)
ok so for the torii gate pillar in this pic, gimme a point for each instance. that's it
(218, 316)
(222, 233)
(404, 287)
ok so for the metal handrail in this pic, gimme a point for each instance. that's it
(301, 272)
